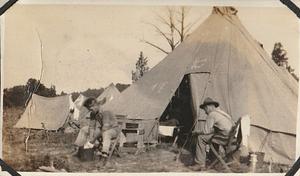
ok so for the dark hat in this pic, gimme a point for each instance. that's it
(209, 101)
(89, 102)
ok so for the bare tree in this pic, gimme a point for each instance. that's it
(184, 29)
(176, 28)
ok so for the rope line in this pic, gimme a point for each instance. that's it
(228, 68)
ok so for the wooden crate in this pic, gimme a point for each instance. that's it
(141, 131)
(134, 132)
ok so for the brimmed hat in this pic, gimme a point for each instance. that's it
(88, 102)
(209, 101)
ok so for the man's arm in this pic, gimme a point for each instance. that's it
(208, 127)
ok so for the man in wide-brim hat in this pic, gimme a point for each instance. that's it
(87, 130)
(218, 125)
(102, 124)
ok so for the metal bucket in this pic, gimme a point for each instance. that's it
(260, 159)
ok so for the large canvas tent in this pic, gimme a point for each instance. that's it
(109, 93)
(45, 113)
(220, 59)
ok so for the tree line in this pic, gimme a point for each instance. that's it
(18, 96)
(96, 92)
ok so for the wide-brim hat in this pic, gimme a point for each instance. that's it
(209, 101)
(87, 103)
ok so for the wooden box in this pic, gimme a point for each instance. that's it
(138, 131)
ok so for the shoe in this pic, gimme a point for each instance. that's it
(88, 145)
(104, 154)
(98, 153)
(197, 167)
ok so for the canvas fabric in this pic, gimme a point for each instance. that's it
(223, 62)
(109, 93)
(52, 112)
(278, 147)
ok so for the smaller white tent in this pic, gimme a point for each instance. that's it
(109, 93)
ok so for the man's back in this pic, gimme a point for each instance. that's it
(222, 121)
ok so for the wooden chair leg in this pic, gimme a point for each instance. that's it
(113, 147)
(219, 158)
(117, 150)
(226, 156)
(213, 163)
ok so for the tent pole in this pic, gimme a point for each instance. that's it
(156, 123)
(185, 142)
(26, 140)
(271, 161)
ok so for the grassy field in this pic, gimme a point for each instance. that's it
(59, 149)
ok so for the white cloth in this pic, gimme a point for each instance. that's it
(76, 114)
(166, 130)
(245, 128)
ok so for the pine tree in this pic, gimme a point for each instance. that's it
(280, 58)
(141, 67)
(279, 55)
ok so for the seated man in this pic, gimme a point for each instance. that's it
(84, 123)
(108, 127)
(110, 130)
(218, 124)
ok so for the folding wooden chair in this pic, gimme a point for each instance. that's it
(230, 145)
(114, 147)
(114, 143)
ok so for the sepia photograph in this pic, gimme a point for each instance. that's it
(132, 88)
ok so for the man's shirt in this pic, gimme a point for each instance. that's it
(218, 122)
(108, 120)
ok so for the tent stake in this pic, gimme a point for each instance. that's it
(26, 140)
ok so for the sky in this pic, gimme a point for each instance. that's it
(90, 46)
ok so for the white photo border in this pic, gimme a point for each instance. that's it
(238, 3)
